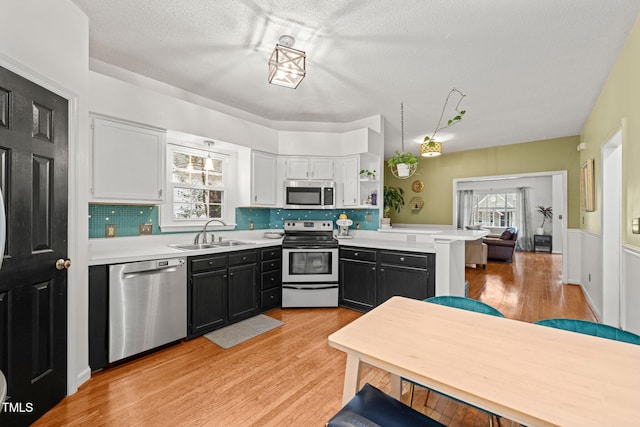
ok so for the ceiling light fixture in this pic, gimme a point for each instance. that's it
(208, 164)
(431, 149)
(287, 65)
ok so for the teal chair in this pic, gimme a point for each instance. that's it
(462, 303)
(591, 328)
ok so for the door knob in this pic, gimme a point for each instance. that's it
(61, 264)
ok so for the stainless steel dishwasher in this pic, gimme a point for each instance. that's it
(147, 305)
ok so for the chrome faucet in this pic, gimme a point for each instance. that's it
(203, 233)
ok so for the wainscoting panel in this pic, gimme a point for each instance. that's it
(591, 270)
(573, 254)
(631, 289)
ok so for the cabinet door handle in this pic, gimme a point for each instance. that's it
(374, 269)
(382, 269)
(224, 276)
(402, 258)
(231, 274)
(244, 258)
(356, 253)
(210, 262)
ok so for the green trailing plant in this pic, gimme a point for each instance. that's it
(368, 173)
(399, 157)
(452, 121)
(547, 214)
(393, 199)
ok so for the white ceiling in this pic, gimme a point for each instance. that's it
(531, 69)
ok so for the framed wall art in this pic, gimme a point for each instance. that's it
(587, 192)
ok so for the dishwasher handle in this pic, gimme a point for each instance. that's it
(151, 266)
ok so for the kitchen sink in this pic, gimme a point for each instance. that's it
(193, 246)
(222, 244)
(231, 243)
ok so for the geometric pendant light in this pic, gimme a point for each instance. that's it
(286, 65)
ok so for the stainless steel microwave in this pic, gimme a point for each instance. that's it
(306, 194)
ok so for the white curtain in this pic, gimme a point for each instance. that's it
(525, 228)
(465, 208)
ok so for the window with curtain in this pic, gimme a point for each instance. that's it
(197, 193)
(495, 209)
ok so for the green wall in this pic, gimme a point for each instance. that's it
(438, 174)
(618, 107)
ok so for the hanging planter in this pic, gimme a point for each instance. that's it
(403, 169)
(403, 165)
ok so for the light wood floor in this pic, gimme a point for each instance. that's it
(290, 376)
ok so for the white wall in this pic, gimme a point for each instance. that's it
(585, 260)
(630, 290)
(48, 42)
(591, 269)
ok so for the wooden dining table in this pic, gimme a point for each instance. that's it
(531, 374)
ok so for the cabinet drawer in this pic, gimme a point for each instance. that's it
(542, 239)
(271, 253)
(243, 258)
(208, 263)
(271, 279)
(358, 254)
(274, 264)
(271, 298)
(399, 258)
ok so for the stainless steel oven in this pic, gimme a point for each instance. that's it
(309, 265)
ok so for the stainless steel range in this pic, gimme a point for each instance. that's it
(309, 264)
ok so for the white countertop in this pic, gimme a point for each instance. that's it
(396, 245)
(141, 248)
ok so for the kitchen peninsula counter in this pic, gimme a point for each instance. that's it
(446, 243)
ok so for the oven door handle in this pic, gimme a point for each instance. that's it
(302, 246)
(309, 287)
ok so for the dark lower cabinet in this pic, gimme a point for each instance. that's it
(222, 289)
(243, 292)
(402, 281)
(358, 275)
(369, 277)
(405, 274)
(208, 297)
(98, 316)
(270, 278)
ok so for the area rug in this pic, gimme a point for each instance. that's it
(244, 330)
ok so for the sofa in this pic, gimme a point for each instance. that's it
(502, 247)
(476, 252)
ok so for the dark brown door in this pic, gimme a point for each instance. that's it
(33, 292)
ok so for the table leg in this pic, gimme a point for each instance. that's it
(396, 386)
(351, 377)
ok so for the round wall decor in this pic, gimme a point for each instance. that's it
(417, 186)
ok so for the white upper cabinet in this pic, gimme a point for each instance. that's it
(263, 177)
(309, 168)
(350, 179)
(127, 162)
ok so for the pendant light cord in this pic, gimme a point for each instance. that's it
(402, 125)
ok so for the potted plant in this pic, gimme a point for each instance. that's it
(547, 214)
(393, 199)
(367, 174)
(403, 164)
